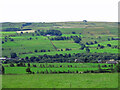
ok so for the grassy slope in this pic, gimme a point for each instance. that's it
(90, 32)
(24, 45)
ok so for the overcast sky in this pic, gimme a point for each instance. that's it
(58, 10)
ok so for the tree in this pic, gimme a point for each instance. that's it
(21, 64)
(109, 45)
(2, 42)
(98, 45)
(48, 50)
(11, 39)
(87, 50)
(108, 39)
(82, 47)
(61, 49)
(95, 42)
(91, 43)
(28, 64)
(117, 68)
(12, 65)
(26, 58)
(87, 43)
(13, 55)
(30, 38)
(36, 51)
(28, 70)
(3, 70)
(99, 67)
(21, 32)
(73, 33)
(101, 47)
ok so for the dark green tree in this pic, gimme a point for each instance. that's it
(28, 70)
(13, 55)
(3, 70)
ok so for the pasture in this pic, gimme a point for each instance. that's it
(63, 44)
(102, 80)
(22, 45)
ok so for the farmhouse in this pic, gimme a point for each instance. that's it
(48, 35)
(2, 58)
(29, 31)
(111, 62)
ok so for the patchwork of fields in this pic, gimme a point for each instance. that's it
(87, 45)
(21, 44)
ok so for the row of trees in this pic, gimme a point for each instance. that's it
(76, 39)
(91, 43)
(51, 65)
(48, 32)
(60, 38)
(81, 57)
(111, 69)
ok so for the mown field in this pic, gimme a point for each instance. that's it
(102, 80)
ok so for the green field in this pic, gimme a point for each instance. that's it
(103, 80)
(66, 44)
(114, 42)
(21, 44)
(70, 30)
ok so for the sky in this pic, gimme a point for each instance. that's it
(58, 10)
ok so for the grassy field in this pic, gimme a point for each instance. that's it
(70, 30)
(21, 44)
(103, 80)
(113, 42)
(63, 44)
(52, 53)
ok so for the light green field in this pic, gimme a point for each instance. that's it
(7, 33)
(62, 44)
(68, 35)
(53, 53)
(107, 50)
(112, 42)
(102, 80)
(23, 45)
(70, 30)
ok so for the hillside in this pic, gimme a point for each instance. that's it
(34, 39)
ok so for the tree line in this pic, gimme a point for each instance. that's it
(62, 58)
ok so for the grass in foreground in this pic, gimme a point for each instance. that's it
(102, 80)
